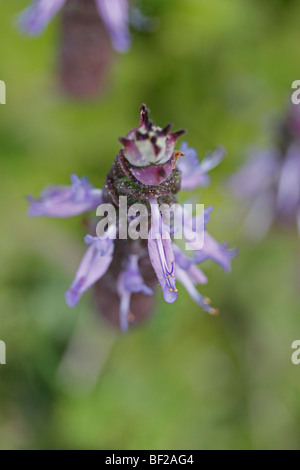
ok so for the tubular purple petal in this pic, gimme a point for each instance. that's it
(194, 172)
(181, 258)
(34, 19)
(133, 281)
(130, 281)
(189, 283)
(93, 266)
(115, 15)
(197, 275)
(216, 252)
(66, 201)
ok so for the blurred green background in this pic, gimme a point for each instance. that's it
(221, 69)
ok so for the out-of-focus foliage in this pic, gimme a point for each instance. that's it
(221, 69)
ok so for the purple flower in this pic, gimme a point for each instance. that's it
(257, 175)
(130, 281)
(93, 266)
(124, 267)
(195, 172)
(66, 201)
(114, 14)
(270, 181)
(219, 253)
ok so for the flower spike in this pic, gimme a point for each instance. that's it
(124, 269)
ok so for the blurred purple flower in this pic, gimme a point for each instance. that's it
(66, 201)
(35, 18)
(114, 13)
(288, 196)
(270, 181)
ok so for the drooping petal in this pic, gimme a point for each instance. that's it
(187, 264)
(162, 255)
(34, 19)
(66, 201)
(181, 258)
(189, 283)
(212, 160)
(93, 266)
(194, 172)
(197, 275)
(216, 252)
(130, 281)
(133, 281)
(115, 15)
